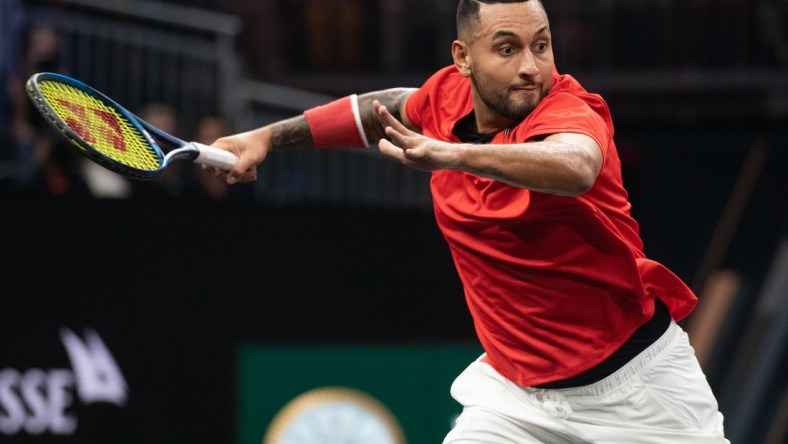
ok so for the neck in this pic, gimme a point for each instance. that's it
(488, 121)
(494, 125)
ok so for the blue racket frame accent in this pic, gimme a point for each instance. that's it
(185, 150)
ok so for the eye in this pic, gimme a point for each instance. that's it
(541, 47)
(506, 50)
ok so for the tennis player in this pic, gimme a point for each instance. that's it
(577, 325)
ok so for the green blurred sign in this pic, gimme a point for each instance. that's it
(413, 382)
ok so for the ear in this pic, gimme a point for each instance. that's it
(461, 56)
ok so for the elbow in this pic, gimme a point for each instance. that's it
(576, 188)
(585, 182)
(580, 178)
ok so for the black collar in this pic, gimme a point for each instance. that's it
(466, 130)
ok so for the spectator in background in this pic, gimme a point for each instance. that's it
(184, 180)
(170, 184)
(343, 20)
(43, 162)
(262, 23)
(104, 183)
(11, 22)
(12, 19)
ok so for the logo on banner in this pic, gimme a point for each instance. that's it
(36, 401)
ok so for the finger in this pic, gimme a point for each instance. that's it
(235, 175)
(389, 120)
(389, 149)
(243, 170)
(376, 109)
(397, 138)
(216, 172)
(250, 175)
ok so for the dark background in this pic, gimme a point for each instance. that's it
(175, 284)
(173, 290)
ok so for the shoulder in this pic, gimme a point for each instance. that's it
(568, 92)
(446, 94)
(569, 108)
(446, 83)
(447, 75)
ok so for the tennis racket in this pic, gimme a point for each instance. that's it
(109, 134)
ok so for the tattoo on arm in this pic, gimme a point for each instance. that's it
(392, 99)
(295, 131)
(291, 132)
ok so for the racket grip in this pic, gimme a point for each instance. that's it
(215, 157)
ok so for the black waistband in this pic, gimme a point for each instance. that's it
(644, 336)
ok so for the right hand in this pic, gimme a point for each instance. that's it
(251, 148)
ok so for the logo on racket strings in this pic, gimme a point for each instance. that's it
(95, 126)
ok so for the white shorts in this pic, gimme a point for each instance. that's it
(660, 396)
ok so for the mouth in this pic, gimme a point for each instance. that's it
(526, 88)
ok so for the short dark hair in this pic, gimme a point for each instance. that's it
(468, 13)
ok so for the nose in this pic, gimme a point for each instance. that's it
(528, 68)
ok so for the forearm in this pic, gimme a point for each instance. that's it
(296, 131)
(563, 163)
(548, 166)
(290, 133)
(393, 99)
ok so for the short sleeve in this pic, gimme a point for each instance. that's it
(569, 111)
(414, 106)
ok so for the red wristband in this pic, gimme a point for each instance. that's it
(337, 124)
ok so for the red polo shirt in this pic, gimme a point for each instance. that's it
(554, 284)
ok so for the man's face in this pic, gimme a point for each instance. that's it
(511, 63)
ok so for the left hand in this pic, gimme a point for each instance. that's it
(413, 149)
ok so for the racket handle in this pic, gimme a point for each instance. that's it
(215, 157)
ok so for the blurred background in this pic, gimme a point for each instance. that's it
(182, 310)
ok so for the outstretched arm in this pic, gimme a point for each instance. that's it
(564, 164)
(295, 131)
(252, 147)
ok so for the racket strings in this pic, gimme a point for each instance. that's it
(101, 125)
